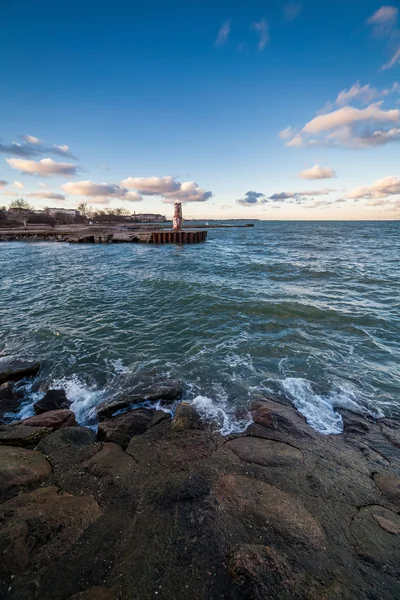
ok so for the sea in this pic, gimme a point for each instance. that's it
(306, 312)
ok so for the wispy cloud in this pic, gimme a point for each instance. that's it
(44, 167)
(291, 10)
(317, 172)
(100, 191)
(299, 196)
(47, 194)
(384, 24)
(262, 28)
(223, 33)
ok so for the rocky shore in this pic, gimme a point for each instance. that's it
(154, 507)
(74, 235)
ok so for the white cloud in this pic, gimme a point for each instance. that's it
(101, 191)
(19, 185)
(31, 139)
(46, 194)
(364, 94)
(291, 11)
(317, 172)
(223, 33)
(342, 127)
(151, 186)
(262, 28)
(168, 188)
(386, 15)
(44, 167)
(381, 188)
(3, 183)
(287, 133)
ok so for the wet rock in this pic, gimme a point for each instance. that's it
(19, 467)
(22, 435)
(268, 508)
(353, 423)
(166, 391)
(259, 572)
(281, 418)
(9, 398)
(389, 484)
(95, 593)
(41, 526)
(122, 428)
(268, 453)
(112, 465)
(375, 541)
(180, 488)
(13, 368)
(69, 445)
(53, 400)
(54, 419)
(186, 417)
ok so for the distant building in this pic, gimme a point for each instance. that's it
(70, 212)
(147, 218)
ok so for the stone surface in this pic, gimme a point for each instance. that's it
(13, 368)
(41, 526)
(53, 400)
(122, 428)
(94, 593)
(22, 435)
(389, 484)
(268, 453)
(54, 419)
(69, 445)
(19, 467)
(186, 417)
(279, 417)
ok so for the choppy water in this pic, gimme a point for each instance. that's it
(309, 311)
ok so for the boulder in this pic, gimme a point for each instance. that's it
(53, 400)
(122, 428)
(186, 417)
(9, 398)
(14, 368)
(280, 418)
(389, 484)
(165, 391)
(22, 435)
(55, 419)
(41, 526)
(268, 453)
(19, 467)
(69, 445)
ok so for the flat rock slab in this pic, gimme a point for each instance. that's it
(13, 368)
(376, 534)
(41, 526)
(267, 453)
(69, 445)
(19, 467)
(269, 508)
(22, 435)
(389, 484)
(55, 419)
(122, 428)
(95, 593)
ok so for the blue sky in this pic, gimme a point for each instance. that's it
(221, 105)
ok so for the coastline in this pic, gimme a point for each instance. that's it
(168, 508)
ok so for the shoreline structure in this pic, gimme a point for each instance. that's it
(154, 507)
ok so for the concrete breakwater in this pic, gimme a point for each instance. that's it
(151, 506)
(101, 235)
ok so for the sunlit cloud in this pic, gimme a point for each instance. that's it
(100, 191)
(45, 167)
(31, 139)
(317, 172)
(381, 188)
(47, 194)
(223, 33)
(168, 188)
(19, 185)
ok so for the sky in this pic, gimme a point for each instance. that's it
(273, 109)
